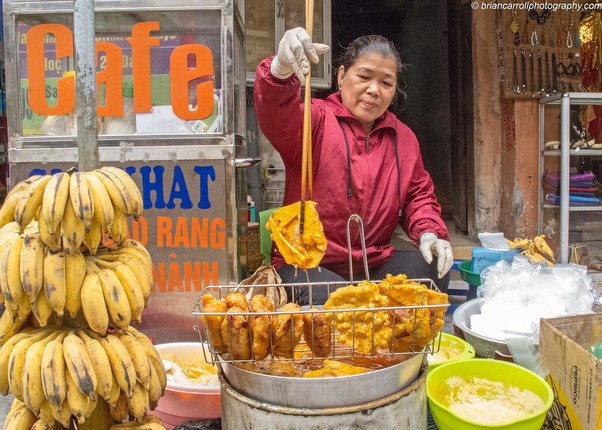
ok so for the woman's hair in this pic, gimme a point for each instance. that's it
(375, 44)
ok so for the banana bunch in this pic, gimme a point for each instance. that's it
(536, 249)
(149, 423)
(59, 374)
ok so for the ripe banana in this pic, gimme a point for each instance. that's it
(78, 401)
(93, 237)
(103, 209)
(136, 265)
(54, 280)
(93, 303)
(51, 240)
(46, 415)
(29, 204)
(116, 299)
(41, 309)
(154, 390)
(53, 372)
(10, 275)
(32, 266)
(543, 248)
(7, 211)
(32, 383)
(81, 198)
(101, 364)
(138, 403)
(19, 417)
(121, 362)
(132, 190)
(79, 365)
(56, 195)
(133, 290)
(116, 193)
(149, 422)
(139, 358)
(72, 230)
(153, 355)
(120, 411)
(115, 392)
(8, 323)
(75, 271)
(118, 230)
(62, 415)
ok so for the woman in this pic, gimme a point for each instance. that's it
(365, 162)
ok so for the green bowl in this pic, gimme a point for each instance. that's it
(462, 350)
(472, 278)
(493, 370)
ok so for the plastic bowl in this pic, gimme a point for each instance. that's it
(472, 278)
(493, 370)
(460, 347)
(183, 402)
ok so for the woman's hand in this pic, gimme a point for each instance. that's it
(295, 51)
(430, 245)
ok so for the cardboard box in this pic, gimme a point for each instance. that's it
(575, 374)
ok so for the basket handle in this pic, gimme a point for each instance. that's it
(358, 219)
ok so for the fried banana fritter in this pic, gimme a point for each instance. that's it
(237, 299)
(317, 332)
(303, 250)
(236, 333)
(364, 331)
(214, 323)
(260, 326)
(287, 329)
(335, 368)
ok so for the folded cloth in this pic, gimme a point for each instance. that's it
(573, 177)
(573, 200)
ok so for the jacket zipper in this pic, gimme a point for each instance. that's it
(367, 143)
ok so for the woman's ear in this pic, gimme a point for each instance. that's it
(340, 76)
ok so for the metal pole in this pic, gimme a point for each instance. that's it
(85, 84)
(565, 142)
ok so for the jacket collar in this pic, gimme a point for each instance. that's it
(335, 102)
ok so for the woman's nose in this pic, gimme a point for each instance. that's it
(372, 88)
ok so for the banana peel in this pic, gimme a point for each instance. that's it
(300, 250)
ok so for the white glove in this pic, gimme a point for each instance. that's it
(430, 245)
(295, 51)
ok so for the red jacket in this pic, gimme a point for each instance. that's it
(377, 195)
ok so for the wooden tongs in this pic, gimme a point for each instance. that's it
(306, 155)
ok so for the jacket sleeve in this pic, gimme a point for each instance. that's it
(421, 210)
(279, 111)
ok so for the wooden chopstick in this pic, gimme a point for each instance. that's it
(306, 155)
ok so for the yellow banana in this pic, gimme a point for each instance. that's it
(133, 290)
(16, 327)
(75, 271)
(133, 192)
(121, 363)
(93, 237)
(149, 422)
(542, 247)
(118, 230)
(72, 230)
(116, 299)
(79, 365)
(7, 349)
(101, 364)
(103, 208)
(29, 204)
(32, 383)
(41, 309)
(115, 392)
(138, 403)
(93, 303)
(32, 266)
(51, 240)
(114, 191)
(62, 415)
(10, 287)
(16, 363)
(19, 417)
(120, 411)
(139, 358)
(56, 195)
(154, 390)
(7, 320)
(41, 424)
(53, 372)
(82, 199)
(7, 211)
(46, 414)
(153, 355)
(137, 266)
(54, 280)
(519, 243)
(78, 401)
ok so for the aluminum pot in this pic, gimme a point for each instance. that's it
(329, 392)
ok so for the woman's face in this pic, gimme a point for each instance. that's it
(368, 87)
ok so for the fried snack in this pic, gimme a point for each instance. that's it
(238, 300)
(303, 250)
(413, 328)
(335, 368)
(287, 329)
(317, 332)
(214, 323)
(364, 331)
(260, 326)
(283, 368)
(235, 332)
